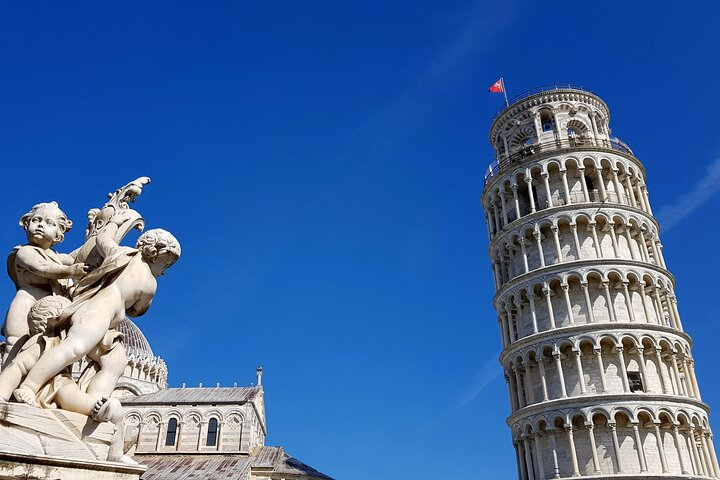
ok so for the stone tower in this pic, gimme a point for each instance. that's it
(599, 369)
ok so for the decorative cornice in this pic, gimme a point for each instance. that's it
(563, 267)
(585, 401)
(564, 333)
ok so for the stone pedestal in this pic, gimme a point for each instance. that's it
(56, 444)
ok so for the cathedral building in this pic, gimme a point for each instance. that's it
(599, 368)
(196, 433)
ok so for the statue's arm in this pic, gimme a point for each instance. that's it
(30, 259)
(106, 243)
(67, 258)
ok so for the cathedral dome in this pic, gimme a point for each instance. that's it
(135, 342)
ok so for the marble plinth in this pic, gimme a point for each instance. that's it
(56, 444)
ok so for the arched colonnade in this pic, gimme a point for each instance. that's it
(592, 295)
(615, 440)
(609, 363)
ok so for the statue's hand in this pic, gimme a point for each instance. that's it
(78, 270)
(122, 216)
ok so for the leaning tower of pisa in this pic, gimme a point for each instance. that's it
(599, 369)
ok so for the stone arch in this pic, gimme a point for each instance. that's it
(173, 412)
(521, 135)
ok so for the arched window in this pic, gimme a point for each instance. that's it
(212, 432)
(171, 435)
(546, 121)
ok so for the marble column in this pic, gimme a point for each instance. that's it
(556, 237)
(538, 455)
(643, 371)
(544, 176)
(568, 304)
(713, 454)
(639, 447)
(548, 300)
(596, 241)
(623, 368)
(601, 368)
(643, 300)
(678, 449)
(613, 239)
(528, 458)
(609, 300)
(523, 250)
(583, 183)
(628, 301)
(573, 453)
(661, 373)
(563, 174)
(543, 378)
(538, 241)
(576, 240)
(593, 447)
(578, 366)
(676, 371)
(553, 448)
(616, 446)
(706, 453)
(588, 302)
(516, 201)
(533, 311)
(661, 447)
(504, 209)
(531, 195)
(558, 365)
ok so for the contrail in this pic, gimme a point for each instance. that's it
(673, 213)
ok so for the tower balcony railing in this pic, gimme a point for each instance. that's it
(576, 198)
(504, 161)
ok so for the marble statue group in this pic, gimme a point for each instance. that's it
(67, 307)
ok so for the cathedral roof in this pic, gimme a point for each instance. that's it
(199, 395)
(268, 461)
(277, 461)
(135, 342)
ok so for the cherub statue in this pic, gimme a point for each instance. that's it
(124, 283)
(36, 269)
(90, 395)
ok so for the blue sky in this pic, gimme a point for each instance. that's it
(321, 164)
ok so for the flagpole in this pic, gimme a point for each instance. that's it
(502, 82)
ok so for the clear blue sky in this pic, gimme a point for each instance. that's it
(321, 163)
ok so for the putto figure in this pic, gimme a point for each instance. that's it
(72, 304)
(123, 284)
(37, 270)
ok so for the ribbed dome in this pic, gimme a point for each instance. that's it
(135, 342)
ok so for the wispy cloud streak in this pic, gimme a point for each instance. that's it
(414, 104)
(487, 374)
(672, 214)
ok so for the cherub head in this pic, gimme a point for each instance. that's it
(46, 311)
(159, 248)
(45, 225)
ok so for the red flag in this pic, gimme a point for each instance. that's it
(496, 87)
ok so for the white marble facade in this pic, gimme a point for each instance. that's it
(600, 372)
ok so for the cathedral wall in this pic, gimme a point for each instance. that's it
(238, 429)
